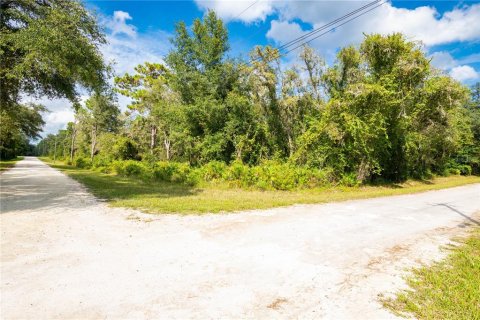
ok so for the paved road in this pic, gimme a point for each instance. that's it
(65, 255)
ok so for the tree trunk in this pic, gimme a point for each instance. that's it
(64, 149)
(94, 142)
(153, 138)
(72, 144)
(291, 146)
(167, 144)
(55, 152)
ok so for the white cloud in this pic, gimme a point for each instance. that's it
(472, 58)
(59, 117)
(237, 10)
(59, 113)
(118, 24)
(464, 73)
(127, 53)
(126, 48)
(422, 24)
(457, 68)
(443, 60)
(284, 31)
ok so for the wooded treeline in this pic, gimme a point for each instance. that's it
(380, 112)
(48, 48)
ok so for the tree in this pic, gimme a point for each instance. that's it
(47, 48)
(102, 117)
(388, 115)
(381, 111)
(72, 132)
(197, 59)
(315, 67)
(154, 101)
(263, 77)
(15, 131)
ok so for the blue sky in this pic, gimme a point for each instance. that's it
(254, 26)
(139, 31)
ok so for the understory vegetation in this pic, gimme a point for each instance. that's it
(449, 289)
(158, 195)
(5, 164)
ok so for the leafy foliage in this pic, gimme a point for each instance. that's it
(47, 48)
(380, 112)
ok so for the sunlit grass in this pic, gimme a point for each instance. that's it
(164, 197)
(449, 289)
(5, 164)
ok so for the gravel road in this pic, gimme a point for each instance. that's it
(66, 255)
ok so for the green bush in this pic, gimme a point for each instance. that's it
(129, 168)
(239, 175)
(7, 153)
(82, 163)
(323, 177)
(453, 171)
(101, 161)
(349, 180)
(454, 168)
(276, 176)
(162, 171)
(213, 170)
(465, 170)
(125, 149)
(175, 172)
(270, 175)
(181, 173)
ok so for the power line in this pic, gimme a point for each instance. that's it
(236, 17)
(304, 37)
(324, 33)
(244, 10)
(331, 23)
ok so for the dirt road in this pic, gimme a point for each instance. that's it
(65, 255)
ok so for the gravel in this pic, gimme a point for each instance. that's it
(64, 254)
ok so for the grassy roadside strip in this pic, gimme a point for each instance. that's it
(165, 197)
(449, 289)
(6, 164)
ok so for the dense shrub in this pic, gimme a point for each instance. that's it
(214, 170)
(465, 170)
(125, 149)
(82, 163)
(6, 153)
(349, 180)
(454, 168)
(276, 176)
(170, 171)
(101, 162)
(270, 175)
(129, 168)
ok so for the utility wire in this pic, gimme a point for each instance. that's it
(304, 37)
(332, 29)
(331, 23)
(238, 15)
(244, 10)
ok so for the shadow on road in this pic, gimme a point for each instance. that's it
(459, 212)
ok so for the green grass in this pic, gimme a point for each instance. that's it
(164, 197)
(5, 164)
(449, 289)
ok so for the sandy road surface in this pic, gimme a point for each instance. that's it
(66, 255)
